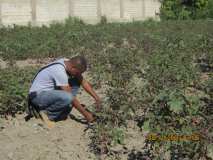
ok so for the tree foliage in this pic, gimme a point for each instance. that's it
(186, 9)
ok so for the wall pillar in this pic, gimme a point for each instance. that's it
(1, 23)
(33, 7)
(99, 14)
(143, 9)
(121, 9)
(71, 8)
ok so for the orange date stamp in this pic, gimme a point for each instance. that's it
(173, 137)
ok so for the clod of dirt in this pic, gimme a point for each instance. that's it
(3, 64)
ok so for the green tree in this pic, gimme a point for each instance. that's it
(186, 9)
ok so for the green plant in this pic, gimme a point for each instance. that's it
(103, 20)
(14, 86)
(177, 106)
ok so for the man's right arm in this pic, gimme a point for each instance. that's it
(89, 117)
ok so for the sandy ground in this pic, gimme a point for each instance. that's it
(20, 140)
(68, 140)
(25, 63)
(32, 140)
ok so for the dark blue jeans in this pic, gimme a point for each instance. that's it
(57, 103)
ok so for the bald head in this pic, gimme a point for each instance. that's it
(79, 62)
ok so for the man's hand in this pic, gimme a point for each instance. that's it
(88, 115)
(90, 118)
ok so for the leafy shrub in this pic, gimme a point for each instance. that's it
(174, 109)
(103, 20)
(14, 86)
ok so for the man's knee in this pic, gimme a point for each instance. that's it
(67, 99)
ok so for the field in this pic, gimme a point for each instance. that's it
(155, 80)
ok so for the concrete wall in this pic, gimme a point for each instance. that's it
(50, 10)
(15, 11)
(38, 12)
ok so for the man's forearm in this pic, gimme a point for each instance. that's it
(88, 88)
(82, 110)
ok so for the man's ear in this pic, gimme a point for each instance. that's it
(68, 73)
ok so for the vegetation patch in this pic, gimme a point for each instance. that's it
(14, 88)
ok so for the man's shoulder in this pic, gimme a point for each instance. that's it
(60, 60)
(59, 63)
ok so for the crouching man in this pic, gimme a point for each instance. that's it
(54, 88)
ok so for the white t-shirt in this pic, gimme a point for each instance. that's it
(50, 77)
